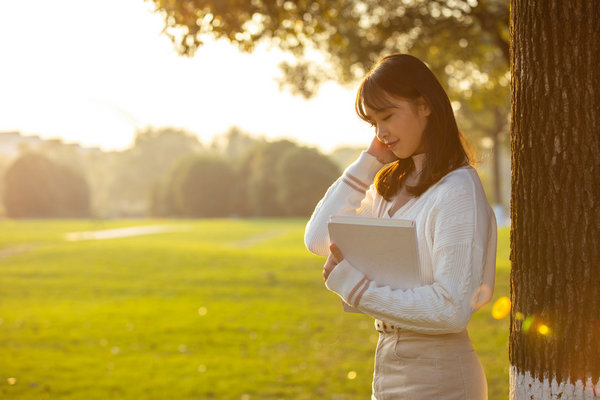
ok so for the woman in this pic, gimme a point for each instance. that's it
(419, 168)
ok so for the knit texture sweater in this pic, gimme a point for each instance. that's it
(456, 237)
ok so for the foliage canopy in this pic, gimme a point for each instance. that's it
(36, 187)
(453, 36)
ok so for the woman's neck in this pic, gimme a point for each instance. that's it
(414, 176)
(419, 160)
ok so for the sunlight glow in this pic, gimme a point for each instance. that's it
(352, 375)
(527, 324)
(100, 85)
(519, 316)
(486, 142)
(501, 308)
(202, 311)
(543, 329)
(12, 381)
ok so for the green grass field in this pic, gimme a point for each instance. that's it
(229, 309)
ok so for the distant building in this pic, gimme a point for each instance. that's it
(13, 143)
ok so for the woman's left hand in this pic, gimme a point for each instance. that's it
(335, 257)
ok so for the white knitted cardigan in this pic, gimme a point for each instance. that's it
(456, 235)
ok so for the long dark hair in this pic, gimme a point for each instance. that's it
(405, 76)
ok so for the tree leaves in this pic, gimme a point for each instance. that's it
(351, 34)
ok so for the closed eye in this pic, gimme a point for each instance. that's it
(374, 124)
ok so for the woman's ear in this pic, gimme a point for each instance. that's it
(423, 106)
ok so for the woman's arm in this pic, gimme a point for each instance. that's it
(351, 194)
(463, 230)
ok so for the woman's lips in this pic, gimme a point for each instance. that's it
(391, 144)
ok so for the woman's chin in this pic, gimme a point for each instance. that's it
(401, 156)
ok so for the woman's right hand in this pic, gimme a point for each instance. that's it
(335, 257)
(381, 152)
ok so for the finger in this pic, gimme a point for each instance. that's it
(326, 271)
(336, 252)
(328, 267)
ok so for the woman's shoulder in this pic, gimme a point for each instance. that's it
(462, 182)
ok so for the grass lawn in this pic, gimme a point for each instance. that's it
(223, 309)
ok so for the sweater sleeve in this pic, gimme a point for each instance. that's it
(460, 238)
(351, 194)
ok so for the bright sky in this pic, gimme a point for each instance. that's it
(94, 71)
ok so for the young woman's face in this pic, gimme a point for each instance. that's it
(400, 126)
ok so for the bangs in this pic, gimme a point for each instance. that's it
(373, 96)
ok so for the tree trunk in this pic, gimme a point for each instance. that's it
(555, 199)
(498, 126)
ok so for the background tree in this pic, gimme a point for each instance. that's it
(5, 161)
(344, 155)
(555, 274)
(465, 42)
(162, 202)
(149, 159)
(36, 187)
(303, 175)
(489, 127)
(350, 34)
(198, 186)
(234, 144)
(92, 163)
(260, 183)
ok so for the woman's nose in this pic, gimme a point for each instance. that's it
(382, 134)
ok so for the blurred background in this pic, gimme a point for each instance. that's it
(139, 108)
(158, 163)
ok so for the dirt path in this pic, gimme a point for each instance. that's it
(12, 250)
(263, 237)
(123, 232)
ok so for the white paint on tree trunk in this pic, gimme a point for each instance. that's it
(526, 387)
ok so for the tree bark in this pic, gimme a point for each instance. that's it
(497, 174)
(555, 199)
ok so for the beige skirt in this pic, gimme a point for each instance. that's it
(410, 365)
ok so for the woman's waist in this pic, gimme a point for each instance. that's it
(456, 342)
